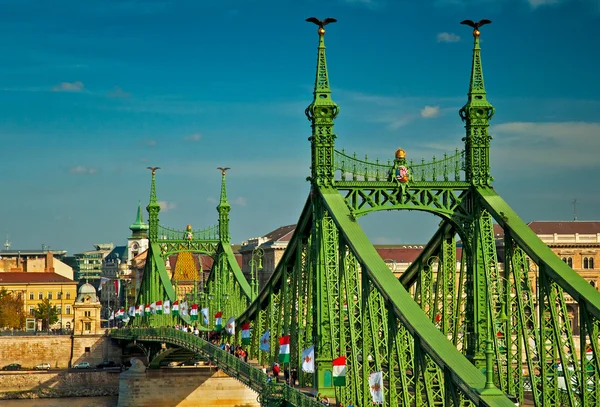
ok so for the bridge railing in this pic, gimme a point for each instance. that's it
(250, 375)
(352, 168)
(209, 233)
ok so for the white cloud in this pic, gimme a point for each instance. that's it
(540, 3)
(547, 144)
(212, 200)
(193, 137)
(149, 143)
(166, 206)
(429, 112)
(240, 200)
(76, 86)
(117, 93)
(447, 37)
(80, 169)
(396, 123)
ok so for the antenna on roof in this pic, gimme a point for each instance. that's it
(575, 210)
(7, 243)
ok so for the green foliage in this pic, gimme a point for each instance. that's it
(47, 313)
(12, 314)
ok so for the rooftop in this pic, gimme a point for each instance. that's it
(22, 277)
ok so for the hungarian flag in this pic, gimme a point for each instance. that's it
(339, 371)
(176, 308)
(284, 349)
(159, 309)
(147, 311)
(218, 321)
(167, 307)
(194, 312)
(204, 312)
(246, 333)
(139, 310)
(230, 327)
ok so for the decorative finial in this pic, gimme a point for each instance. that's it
(223, 170)
(476, 26)
(153, 169)
(321, 23)
(400, 153)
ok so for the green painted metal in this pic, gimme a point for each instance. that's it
(226, 289)
(269, 393)
(445, 333)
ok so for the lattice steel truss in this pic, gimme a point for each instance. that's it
(451, 331)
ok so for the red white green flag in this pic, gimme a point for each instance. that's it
(246, 333)
(175, 308)
(284, 349)
(194, 312)
(339, 371)
(159, 309)
(218, 321)
(147, 310)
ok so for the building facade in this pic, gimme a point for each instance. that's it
(87, 312)
(33, 288)
(35, 261)
(88, 265)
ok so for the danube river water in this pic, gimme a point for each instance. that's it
(105, 401)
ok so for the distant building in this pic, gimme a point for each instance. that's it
(88, 265)
(32, 261)
(266, 251)
(87, 309)
(35, 287)
(115, 274)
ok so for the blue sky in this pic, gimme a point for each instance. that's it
(93, 92)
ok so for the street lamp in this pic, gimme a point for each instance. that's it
(255, 263)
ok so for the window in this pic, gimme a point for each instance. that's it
(68, 295)
(568, 260)
(588, 262)
(31, 310)
(87, 326)
(31, 295)
(88, 313)
(40, 296)
(59, 295)
(49, 295)
(59, 309)
(88, 349)
(68, 310)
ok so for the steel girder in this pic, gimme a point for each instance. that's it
(441, 198)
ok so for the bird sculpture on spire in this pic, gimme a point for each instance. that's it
(476, 25)
(321, 23)
(153, 169)
(223, 169)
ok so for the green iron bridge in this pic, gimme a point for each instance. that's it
(480, 334)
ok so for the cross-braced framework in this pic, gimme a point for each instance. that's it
(449, 332)
(226, 289)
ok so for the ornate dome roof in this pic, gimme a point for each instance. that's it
(87, 292)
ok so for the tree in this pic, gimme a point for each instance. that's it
(47, 313)
(12, 314)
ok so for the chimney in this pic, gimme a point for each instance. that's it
(49, 262)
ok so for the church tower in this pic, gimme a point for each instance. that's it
(138, 241)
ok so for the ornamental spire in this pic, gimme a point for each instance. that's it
(153, 208)
(476, 114)
(321, 112)
(223, 208)
(139, 228)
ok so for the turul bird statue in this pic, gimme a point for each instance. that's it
(321, 23)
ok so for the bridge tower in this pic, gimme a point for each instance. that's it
(321, 112)
(481, 256)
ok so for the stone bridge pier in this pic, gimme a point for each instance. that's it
(183, 387)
